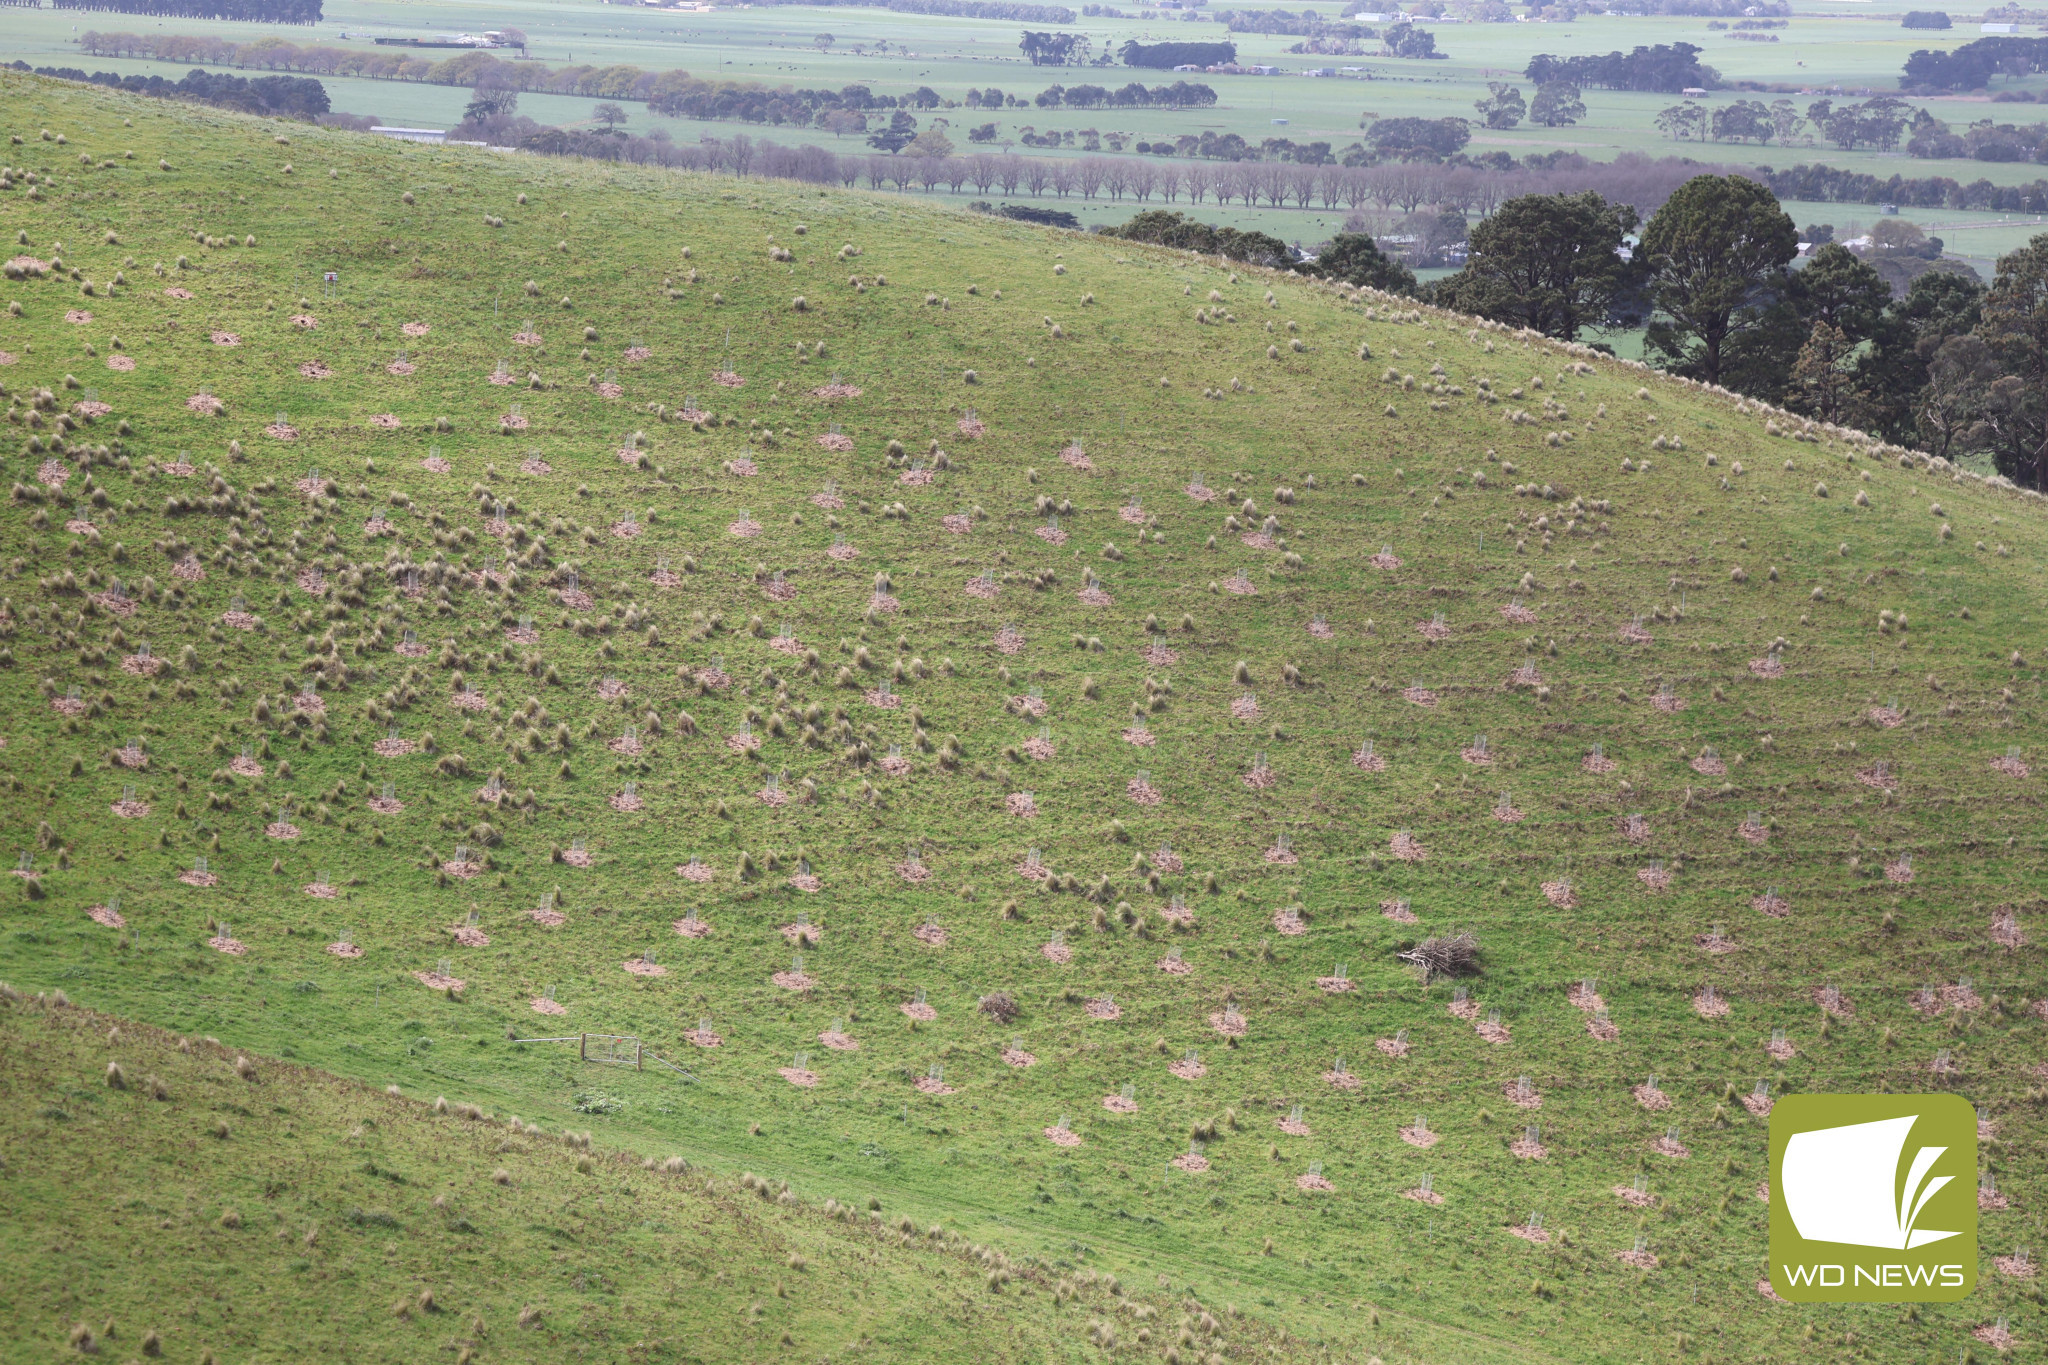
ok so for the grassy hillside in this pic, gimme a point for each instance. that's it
(1697, 603)
(170, 1197)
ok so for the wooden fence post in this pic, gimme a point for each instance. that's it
(638, 1049)
(582, 1047)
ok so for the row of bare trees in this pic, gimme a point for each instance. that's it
(1404, 187)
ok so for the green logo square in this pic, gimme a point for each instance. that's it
(1873, 1198)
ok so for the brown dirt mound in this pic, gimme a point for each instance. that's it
(839, 1042)
(1063, 1137)
(1104, 1009)
(1117, 1104)
(797, 1077)
(1144, 793)
(121, 362)
(1527, 1150)
(1650, 1099)
(1159, 656)
(1407, 848)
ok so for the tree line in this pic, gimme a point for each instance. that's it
(1973, 65)
(675, 93)
(1006, 10)
(1949, 365)
(1876, 123)
(1179, 95)
(296, 97)
(1664, 68)
(246, 11)
(1832, 185)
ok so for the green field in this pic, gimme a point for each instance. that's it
(277, 1213)
(1823, 48)
(1721, 547)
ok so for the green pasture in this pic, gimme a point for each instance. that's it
(1502, 473)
